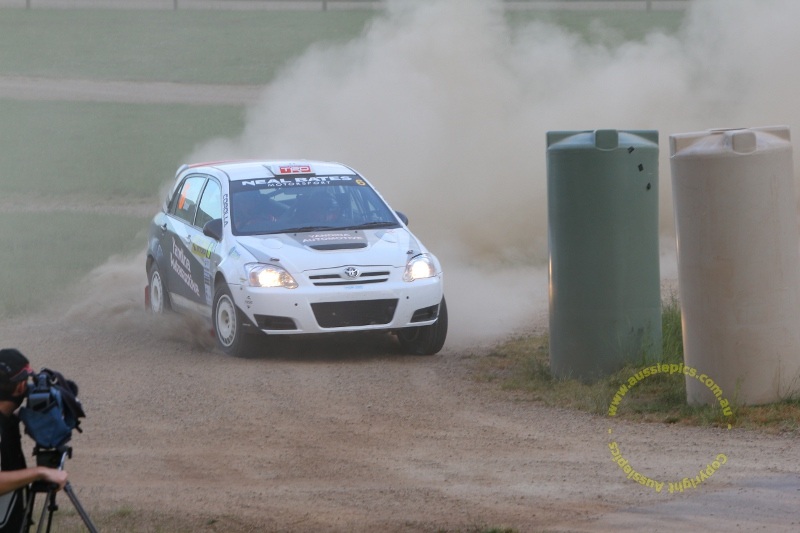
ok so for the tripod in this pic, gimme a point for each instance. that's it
(52, 458)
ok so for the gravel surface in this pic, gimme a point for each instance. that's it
(343, 433)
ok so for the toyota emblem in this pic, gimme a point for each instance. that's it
(351, 272)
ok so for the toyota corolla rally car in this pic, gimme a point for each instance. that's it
(284, 247)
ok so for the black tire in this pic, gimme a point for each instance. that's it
(425, 340)
(229, 324)
(157, 291)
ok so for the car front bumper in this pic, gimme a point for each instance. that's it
(391, 305)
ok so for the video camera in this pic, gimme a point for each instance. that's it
(52, 409)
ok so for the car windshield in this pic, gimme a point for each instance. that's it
(298, 204)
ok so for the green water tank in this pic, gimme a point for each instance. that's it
(605, 287)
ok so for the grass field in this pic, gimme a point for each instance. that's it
(102, 150)
(179, 46)
(224, 47)
(118, 152)
(55, 252)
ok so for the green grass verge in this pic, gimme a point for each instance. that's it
(190, 46)
(103, 149)
(522, 365)
(46, 254)
(219, 46)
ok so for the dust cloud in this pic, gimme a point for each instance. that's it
(445, 107)
(112, 297)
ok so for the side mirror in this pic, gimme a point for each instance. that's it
(213, 229)
(402, 217)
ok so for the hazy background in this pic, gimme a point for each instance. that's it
(446, 105)
(443, 104)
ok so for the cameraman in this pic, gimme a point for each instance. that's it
(14, 476)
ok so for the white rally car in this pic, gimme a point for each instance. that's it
(291, 247)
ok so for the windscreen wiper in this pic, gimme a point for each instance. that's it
(303, 229)
(378, 224)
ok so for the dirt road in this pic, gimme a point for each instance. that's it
(346, 434)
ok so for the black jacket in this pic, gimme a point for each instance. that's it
(12, 506)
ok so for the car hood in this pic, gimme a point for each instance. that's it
(325, 249)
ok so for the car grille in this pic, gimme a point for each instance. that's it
(339, 278)
(358, 313)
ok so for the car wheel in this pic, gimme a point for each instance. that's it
(159, 299)
(425, 340)
(229, 324)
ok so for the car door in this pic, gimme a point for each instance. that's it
(184, 273)
(202, 247)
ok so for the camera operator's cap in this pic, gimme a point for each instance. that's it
(14, 366)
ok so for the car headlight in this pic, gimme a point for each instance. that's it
(420, 267)
(261, 275)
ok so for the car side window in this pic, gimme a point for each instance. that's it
(368, 206)
(184, 204)
(210, 206)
